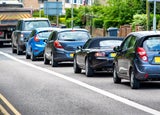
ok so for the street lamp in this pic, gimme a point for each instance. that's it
(154, 17)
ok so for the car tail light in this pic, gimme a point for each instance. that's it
(22, 35)
(99, 54)
(57, 44)
(142, 53)
(36, 38)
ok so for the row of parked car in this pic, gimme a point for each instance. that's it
(135, 57)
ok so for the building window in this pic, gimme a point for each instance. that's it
(67, 1)
(42, 1)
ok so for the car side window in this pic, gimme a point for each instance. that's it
(32, 33)
(125, 44)
(19, 26)
(132, 42)
(87, 44)
(54, 35)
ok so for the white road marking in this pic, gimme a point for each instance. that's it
(85, 85)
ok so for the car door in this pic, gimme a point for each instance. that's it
(48, 45)
(122, 58)
(29, 43)
(81, 53)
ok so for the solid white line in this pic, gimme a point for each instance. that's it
(100, 91)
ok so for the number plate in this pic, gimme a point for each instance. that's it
(157, 59)
(71, 55)
(113, 54)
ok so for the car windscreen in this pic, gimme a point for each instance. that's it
(44, 35)
(30, 25)
(109, 43)
(73, 36)
(152, 44)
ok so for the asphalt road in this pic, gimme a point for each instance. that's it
(37, 89)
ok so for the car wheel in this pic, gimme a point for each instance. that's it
(116, 79)
(27, 56)
(46, 61)
(134, 83)
(13, 50)
(33, 58)
(54, 63)
(18, 51)
(75, 66)
(89, 71)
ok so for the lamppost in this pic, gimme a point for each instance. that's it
(72, 15)
(154, 17)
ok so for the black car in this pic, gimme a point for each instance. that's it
(96, 55)
(62, 43)
(138, 58)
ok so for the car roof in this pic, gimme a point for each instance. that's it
(141, 34)
(109, 38)
(27, 19)
(70, 29)
(45, 28)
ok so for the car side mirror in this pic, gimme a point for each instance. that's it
(46, 40)
(79, 47)
(117, 49)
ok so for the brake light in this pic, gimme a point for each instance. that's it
(36, 38)
(57, 44)
(22, 35)
(99, 54)
(142, 54)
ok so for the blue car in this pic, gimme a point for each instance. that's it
(138, 58)
(62, 43)
(36, 42)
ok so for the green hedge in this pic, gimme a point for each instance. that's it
(98, 23)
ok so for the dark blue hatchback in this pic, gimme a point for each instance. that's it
(138, 58)
(62, 43)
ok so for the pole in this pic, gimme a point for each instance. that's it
(72, 15)
(57, 14)
(154, 18)
(148, 14)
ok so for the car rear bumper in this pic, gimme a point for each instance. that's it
(148, 72)
(104, 64)
(63, 56)
(38, 50)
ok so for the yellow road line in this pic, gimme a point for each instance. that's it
(9, 105)
(3, 111)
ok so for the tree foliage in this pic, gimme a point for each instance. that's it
(113, 14)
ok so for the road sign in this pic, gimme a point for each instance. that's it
(153, 0)
(52, 8)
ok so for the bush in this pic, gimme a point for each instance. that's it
(98, 23)
(110, 23)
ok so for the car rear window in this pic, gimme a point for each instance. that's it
(44, 35)
(110, 43)
(152, 44)
(73, 36)
(30, 25)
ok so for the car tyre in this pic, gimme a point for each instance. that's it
(88, 70)
(18, 51)
(116, 79)
(13, 50)
(134, 83)
(75, 66)
(33, 58)
(46, 61)
(27, 56)
(54, 63)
